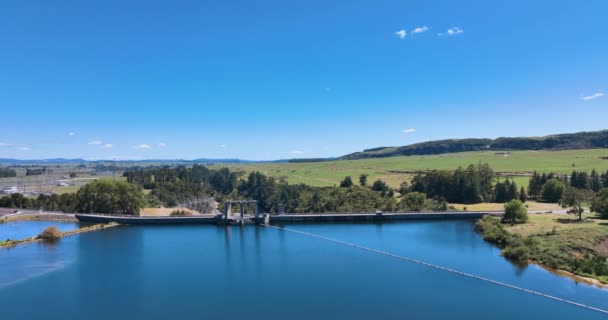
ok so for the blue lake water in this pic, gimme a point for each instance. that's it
(209, 272)
(25, 229)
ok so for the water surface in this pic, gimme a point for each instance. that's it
(25, 229)
(209, 272)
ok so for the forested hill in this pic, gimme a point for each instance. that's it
(580, 140)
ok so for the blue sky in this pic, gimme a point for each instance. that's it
(283, 79)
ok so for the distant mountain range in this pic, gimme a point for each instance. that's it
(146, 161)
(568, 141)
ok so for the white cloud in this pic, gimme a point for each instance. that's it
(96, 142)
(71, 134)
(452, 32)
(593, 96)
(162, 144)
(107, 145)
(5, 144)
(143, 146)
(420, 30)
(296, 152)
(222, 146)
(25, 148)
(410, 130)
(401, 34)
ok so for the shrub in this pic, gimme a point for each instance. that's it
(50, 233)
(553, 190)
(599, 203)
(515, 212)
(178, 213)
(517, 249)
(492, 230)
(591, 265)
(413, 201)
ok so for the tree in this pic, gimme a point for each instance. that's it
(471, 185)
(380, 186)
(363, 179)
(553, 190)
(500, 194)
(515, 212)
(594, 181)
(512, 191)
(413, 201)
(110, 196)
(574, 199)
(523, 197)
(599, 203)
(404, 187)
(347, 182)
(260, 188)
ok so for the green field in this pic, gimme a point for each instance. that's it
(395, 170)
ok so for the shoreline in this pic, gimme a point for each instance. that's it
(14, 243)
(56, 217)
(577, 278)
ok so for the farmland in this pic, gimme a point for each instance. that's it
(395, 170)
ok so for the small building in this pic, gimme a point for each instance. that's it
(9, 190)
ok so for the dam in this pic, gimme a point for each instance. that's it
(265, 218)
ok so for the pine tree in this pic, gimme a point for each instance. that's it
(594, 182)
(512, 191)
(347, 182)
(499, 192)
(523, 197)
(363, 179)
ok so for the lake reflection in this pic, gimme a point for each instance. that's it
(209, 272)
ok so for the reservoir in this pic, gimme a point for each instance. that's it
(234, 272)
(25, 229)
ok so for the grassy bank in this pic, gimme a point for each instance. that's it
(11, 243)
(41, 217)
(490, 206)
(557, 241)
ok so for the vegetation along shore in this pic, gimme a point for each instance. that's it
(576, 243)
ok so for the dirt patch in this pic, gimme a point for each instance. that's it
(164, 212)
(602, 248)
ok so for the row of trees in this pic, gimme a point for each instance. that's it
(471, 185)
(102, 196)
(171, 185)
(7, 173)
(430, 191)
(577, 179)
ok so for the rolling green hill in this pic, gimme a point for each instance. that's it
(568, 141)
(394, 170)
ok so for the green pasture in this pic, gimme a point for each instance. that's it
(395, 170)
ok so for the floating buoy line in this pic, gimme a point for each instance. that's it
(430, 265)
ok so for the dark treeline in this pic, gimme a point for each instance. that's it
(102, 196)
(35, 172)
(172, 186)
(471, 185)
(551, 186)
(7, 173)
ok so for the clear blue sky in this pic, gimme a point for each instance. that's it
(282, 79)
